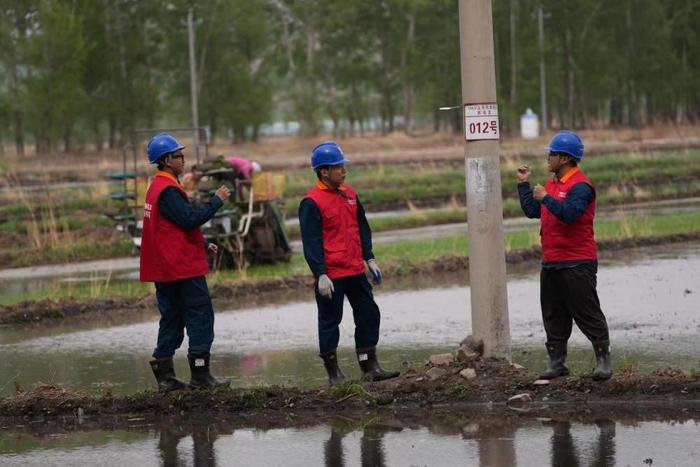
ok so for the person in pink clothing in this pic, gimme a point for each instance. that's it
(243, 171)
(244, 168)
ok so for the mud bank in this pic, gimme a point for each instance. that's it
(666, 392)
(275, 290)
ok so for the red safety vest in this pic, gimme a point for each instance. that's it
(568, 242)
(168, 252)
(342, 248)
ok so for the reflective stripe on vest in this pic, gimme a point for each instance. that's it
(168, 252)
(342, 248)
(561, 241)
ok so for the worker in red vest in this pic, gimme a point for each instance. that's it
(566, 207)
(337, 242)
(173, 255)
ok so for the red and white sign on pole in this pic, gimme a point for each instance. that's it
(481, 121)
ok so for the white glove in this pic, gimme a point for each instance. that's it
(325, 286)
(376, 272)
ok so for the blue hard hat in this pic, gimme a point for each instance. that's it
(160, 145)
(327, 153)
(567, 142)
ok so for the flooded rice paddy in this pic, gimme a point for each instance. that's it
(651, 298)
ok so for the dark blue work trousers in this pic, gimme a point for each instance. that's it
(364, 310)
(184, 304)
(569, 295)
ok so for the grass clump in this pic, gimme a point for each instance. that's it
(349, 389)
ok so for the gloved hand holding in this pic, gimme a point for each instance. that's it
(325, 286)
(376, 272)
(539, 192)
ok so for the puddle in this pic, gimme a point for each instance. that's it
(373, 441)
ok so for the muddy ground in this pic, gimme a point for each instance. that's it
(261, 292)
(667, 393)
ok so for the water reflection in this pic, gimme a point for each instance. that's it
(565, 452)
(495, 442)
(397, 438)
(333, 449)
(605, 454)
(372, 444)
(203, 452)
(563, 449)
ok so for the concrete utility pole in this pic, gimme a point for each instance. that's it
(193, 84)
(487, 266)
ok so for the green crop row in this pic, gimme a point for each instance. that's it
(397, 184)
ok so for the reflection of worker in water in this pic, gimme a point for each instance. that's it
(371, 447)
(564, 450)
(566, 206)
(203, 438)
(243, 172)
(173, 256)
(337, 241)
(333, 449)
(495, 442)
(168, 440)
(605, 449)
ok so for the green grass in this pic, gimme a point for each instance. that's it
(94, 289)
(647, 226)
(296, 266)
(13, 226)
(522, 240)
(79, 250)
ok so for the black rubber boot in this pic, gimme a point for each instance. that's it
(557, 360)
(603, 362)
(201, 377)
(335, 374)
(371, 370)
(164, 371)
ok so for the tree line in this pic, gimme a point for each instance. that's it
(88, 72)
